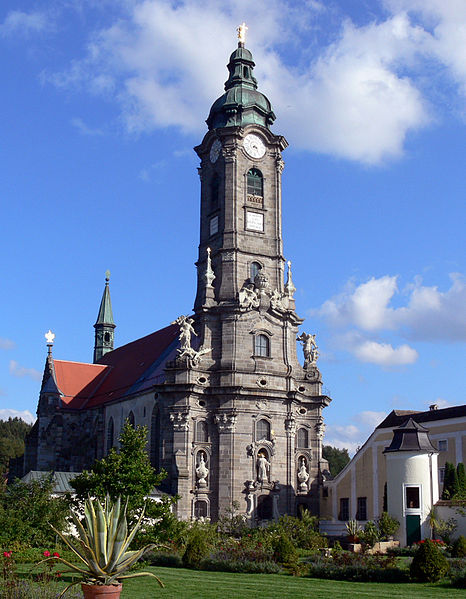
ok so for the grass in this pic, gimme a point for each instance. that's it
(194, 584)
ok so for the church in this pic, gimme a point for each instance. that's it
(231, 413)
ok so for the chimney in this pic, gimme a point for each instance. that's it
(434, 406)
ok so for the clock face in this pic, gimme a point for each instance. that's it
(254, 146)
(215, 150)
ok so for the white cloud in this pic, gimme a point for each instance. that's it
(428, 314)
(371, 418)
(23, 23)
(164, 62)
(23, 414)
(7, 343)
(20, 371)
(350, 436)
(384, 354)
(85, 129)
(440, 403)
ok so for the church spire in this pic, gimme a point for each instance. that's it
(104, 326)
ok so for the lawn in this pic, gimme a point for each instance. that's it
(194, 584)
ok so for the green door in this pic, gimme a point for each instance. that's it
(413, 529)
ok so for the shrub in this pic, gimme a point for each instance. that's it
(303, 532)
(196, 550)
(387, 525)
(429, 564)
(284, 552)
(459, 547)
(370, 535)
(243, 566)
(459, 580)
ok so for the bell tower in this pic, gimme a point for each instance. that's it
(104, 326)
(247, 416)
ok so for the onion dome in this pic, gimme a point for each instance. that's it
(241, 104)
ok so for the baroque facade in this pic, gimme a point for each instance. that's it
(232, 414)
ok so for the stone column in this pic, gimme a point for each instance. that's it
(226, 423)
(180, 422)
(290, 428)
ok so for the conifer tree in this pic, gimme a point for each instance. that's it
(461, 480)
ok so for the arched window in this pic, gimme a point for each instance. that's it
(131, 418)
(255, 182)
(110, 434)
(214, 191)
(263, 430)
(303, 438)
(254, 269)
(261, 346)
(202, 431)
(155, 439)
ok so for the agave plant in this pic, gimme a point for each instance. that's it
(353, 528)
(102, 544)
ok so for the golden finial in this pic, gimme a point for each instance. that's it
(242, 32)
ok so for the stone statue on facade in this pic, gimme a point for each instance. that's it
(248, 298)
(303, 475)
(309, 349)
(263, 468)
(202, 471)
(186, 330)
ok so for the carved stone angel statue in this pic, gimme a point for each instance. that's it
(186, 330)
(309, 349)
(202, 471)
(303, 475)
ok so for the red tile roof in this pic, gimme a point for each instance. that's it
(126, 370)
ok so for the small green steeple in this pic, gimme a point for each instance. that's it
(104, 326)
(241, 104)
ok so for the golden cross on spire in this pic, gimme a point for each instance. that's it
(242, 32)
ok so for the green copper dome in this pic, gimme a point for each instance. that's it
(241, 104)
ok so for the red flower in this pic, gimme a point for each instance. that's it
(46, 553)
(56, 554)
(7, 553)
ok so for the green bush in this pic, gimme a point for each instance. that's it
(459, 580)
(303, 532)
(242, 566)
(357, 573)
(459, 547)
(387, 525)
(284, 552)
(25, 512)
(429, 564)
(370, 535)
(164, 559)
(197, 549)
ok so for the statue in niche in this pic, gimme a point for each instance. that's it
(303, 475)
(309, 349)
(263, 467)
(202, 471)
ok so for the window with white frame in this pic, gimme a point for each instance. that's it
(441, 475)
(443, 445)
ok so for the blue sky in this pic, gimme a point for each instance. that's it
(101, 104)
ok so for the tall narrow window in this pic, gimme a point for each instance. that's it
(344, 509)
(255, 183)
(262, 346)
(110, 434)
(254, 269)
(362, 509)
(131, 418)
(202, 431)
(263, 430)
(303, 438)
(214, 191)
(155, 438)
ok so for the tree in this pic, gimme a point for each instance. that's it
(461, 480)
(451, 485)
(337, 458)
(26, 510)
(12, 434)
(127, 473)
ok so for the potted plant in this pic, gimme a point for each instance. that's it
(353, 529)
(102, 547)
